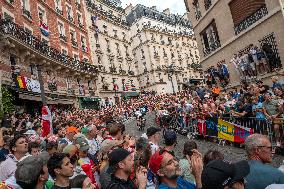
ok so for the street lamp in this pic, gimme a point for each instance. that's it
(170, 70)
(40, 79)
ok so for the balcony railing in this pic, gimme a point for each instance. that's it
(207, 4)
(70, 18)
(27, 13)
(18, 33)
(213, 46)
(81, 25)
(10, 2)
(58, 10)
(260, 13)
(63, 37)
(95, 8)
(74, 43)
(78, 5)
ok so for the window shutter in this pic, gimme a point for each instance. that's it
(241, 9)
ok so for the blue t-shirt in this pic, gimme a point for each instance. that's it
(182, 184)
(262, 175)
(258, 115)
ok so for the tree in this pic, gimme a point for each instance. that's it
(7, 102)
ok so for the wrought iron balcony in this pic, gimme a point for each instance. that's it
(10, 2)
(78, 5)
(74, 43)
(207, 4)
(63, 37)
(131, 72)
(213, 46)
(260, 13)
(95, 8)
(71, 91)
(16, 32)
(198, 14)
(59, 11)
(81, 25)
(27, 13)
(84, 48)
(70, 18)
(112, 69)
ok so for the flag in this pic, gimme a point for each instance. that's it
(44, 29)
(46, 121)
(22, 82)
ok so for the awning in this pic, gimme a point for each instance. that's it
(130, 94)
(87, 99)
(65, 102)
(48, 101)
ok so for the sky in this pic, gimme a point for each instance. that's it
(176, 6)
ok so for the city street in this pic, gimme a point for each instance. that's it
(230, 153)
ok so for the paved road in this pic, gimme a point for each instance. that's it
(231, 153)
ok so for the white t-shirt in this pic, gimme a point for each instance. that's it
(154, 147)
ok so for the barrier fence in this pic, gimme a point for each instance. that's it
(231, 128)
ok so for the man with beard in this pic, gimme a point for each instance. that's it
(167, 169)
(121, 164)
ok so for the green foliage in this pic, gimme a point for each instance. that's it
(8, 99)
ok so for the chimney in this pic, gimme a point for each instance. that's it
(167, 11)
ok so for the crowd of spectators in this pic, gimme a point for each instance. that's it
(92, 149)
(248, 64)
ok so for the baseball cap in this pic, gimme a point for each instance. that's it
(107, 145)
(71, 129)
(170, 136)
(115, 157)
(82, 144)
(30, 168)
(218, 173)
(152, 130)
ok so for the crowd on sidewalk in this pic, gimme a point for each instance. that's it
(92, 149)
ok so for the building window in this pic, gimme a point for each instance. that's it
(246, 12)
(61, 31)
(7, 16)
(78, 4)
(58, 7)
(84, 44)
(207, 4)
(26, 9)
(69, 13)
(76, 57)
(42, 16)
(79, 19)
(64, 51)
(73, 38)
(210, 38)
(197, 9)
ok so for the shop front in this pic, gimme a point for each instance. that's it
(92, 103)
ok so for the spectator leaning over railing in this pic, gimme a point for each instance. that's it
(270, 110)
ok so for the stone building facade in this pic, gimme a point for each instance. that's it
(46, 40)
(77, 52)
(140, 48)
(226, 28)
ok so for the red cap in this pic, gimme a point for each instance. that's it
(155, 161)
